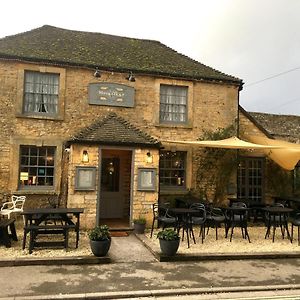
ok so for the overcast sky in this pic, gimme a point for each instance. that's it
(250, 39)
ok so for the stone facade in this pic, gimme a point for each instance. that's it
(211, 105)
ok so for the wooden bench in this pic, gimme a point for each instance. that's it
(50, 229)
(4, 234)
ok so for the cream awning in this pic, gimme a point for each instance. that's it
(230, 143)
(283, 153)
(287, 156)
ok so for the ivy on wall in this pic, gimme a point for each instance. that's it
(215, 167)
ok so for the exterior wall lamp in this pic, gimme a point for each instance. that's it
(130, 77)
(149, 158)
(97, 73)
(85, 156)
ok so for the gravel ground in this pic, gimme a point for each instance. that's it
(210, 245)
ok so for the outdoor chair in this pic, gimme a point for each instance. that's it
(237, 216)
(14, 206)
(295, 221)
(197, 218)
(275, 220)
(162, 215)
(214, 218)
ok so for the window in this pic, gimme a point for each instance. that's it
(172, 169)
(36, 166)
(250, 179)
(41, 93)
(110, 174)
(173, 104)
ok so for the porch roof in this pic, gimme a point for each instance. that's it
(114, 130)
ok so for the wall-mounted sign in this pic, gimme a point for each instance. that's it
(85, 178)
(112, 94)
(146, 179)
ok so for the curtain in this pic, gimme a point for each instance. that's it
(41, 92)
(173, 101)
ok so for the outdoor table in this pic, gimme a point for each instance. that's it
(37, 221)
(277, 216)
(237, 216)
(183, 215)
(288, 201)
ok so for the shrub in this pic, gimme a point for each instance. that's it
(99, 233)
(140, 220)
(168, 235)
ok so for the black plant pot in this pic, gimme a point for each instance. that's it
(169, 248)
(139, 228)
(100, 248)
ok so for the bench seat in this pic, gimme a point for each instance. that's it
(4, 234)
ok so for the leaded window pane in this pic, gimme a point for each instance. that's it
(36, 166)
(172, 169)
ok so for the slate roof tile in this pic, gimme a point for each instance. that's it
(53, 45)
(114, 130)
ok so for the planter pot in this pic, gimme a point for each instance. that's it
(169, 247)
(100, 248)
(139, 228)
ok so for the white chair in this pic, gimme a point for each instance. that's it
(14, 206)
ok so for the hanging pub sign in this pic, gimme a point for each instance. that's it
(112, 94)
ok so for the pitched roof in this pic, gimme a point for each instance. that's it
(280, 126)
(54, 45)
(114, 130)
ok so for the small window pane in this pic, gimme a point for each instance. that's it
(172, 169)
(35, 169)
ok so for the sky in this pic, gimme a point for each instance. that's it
(257, 41)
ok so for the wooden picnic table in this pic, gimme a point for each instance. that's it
(50, 221)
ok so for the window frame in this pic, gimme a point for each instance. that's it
(41, 77)
(37, 167)
(161, 120)
(59, 115)
(184, 169)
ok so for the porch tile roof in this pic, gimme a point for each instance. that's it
(53, 45)
(114, 130)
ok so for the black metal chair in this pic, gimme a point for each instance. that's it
(162, 215)
(275, 220)
(237, 216)
(197, 218)
(214, 218)
(295, 221)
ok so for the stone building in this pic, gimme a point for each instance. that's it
(258, 176)
(84, 116)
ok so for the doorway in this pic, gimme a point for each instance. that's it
(115, 188)
(251, 179)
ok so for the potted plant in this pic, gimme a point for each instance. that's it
(100, 240)
(169, 241)
(139, 225)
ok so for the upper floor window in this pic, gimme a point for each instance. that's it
(41, 93)
(36, 166)
(172, 169)
(173, 104)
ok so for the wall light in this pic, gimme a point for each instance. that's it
(85, 156)
(149, 158)
(130, 77)
(97, 73)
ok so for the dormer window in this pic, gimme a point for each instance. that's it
(41, 92)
